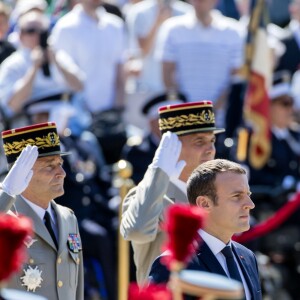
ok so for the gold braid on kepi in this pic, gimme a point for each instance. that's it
(43, 135)
(188, 118)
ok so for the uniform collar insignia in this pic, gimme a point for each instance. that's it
(29, 241)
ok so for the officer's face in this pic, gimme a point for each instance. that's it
(47, 180)
(197, 148)
(282, 112)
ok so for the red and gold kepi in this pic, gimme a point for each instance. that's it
(188, 118)
(43, 135)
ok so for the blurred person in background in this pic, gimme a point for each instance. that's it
(35, 72)
(95, 41)
(20, 8)
(290, 60)
(144, 20)
(6, 48)
(283, 166)
(274, 183)
(200, 54)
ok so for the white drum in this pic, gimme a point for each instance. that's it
(9, 294)
(207, 285)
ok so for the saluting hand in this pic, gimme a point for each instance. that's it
(167, 155)
(19, 176)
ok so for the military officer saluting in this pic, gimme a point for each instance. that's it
(54, 268)
(141, 152)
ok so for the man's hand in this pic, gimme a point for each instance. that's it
(18, 178)
(37, 57)
(167, 155)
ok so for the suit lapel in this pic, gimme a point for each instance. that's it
(246, 268)
(39, 227)
(209, 261)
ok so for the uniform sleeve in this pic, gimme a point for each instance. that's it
(143, 207)
(6, 201)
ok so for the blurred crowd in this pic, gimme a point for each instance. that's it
(101, 68)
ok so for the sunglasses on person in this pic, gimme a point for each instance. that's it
(285, 103)
(31, 30)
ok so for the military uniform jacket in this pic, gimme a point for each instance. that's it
(142, 214)
(61, 270)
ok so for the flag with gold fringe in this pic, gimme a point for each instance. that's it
(259, 76)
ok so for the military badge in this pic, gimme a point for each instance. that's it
(74, 243)
(29, 242)
(32, 278)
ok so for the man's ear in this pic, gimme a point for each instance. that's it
(203, 202)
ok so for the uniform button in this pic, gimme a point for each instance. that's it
(31, 261)
(60, 283)
(77, 260)
(59, 260)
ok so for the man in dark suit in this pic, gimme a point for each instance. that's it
(188, 138)
(221, 188)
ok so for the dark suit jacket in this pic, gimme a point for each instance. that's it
(205, 260)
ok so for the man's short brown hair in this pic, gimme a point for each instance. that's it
(202, 180)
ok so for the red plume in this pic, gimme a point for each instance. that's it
(13, 232)
(151, 292)
(182, 225)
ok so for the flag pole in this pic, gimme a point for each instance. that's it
(243, 134)
(252, 28)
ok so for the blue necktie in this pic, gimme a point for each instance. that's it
(231, 264)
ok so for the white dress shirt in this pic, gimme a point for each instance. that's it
(216, 246)
(41, 213)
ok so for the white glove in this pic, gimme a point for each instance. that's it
(167, 155)
(19, 176)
